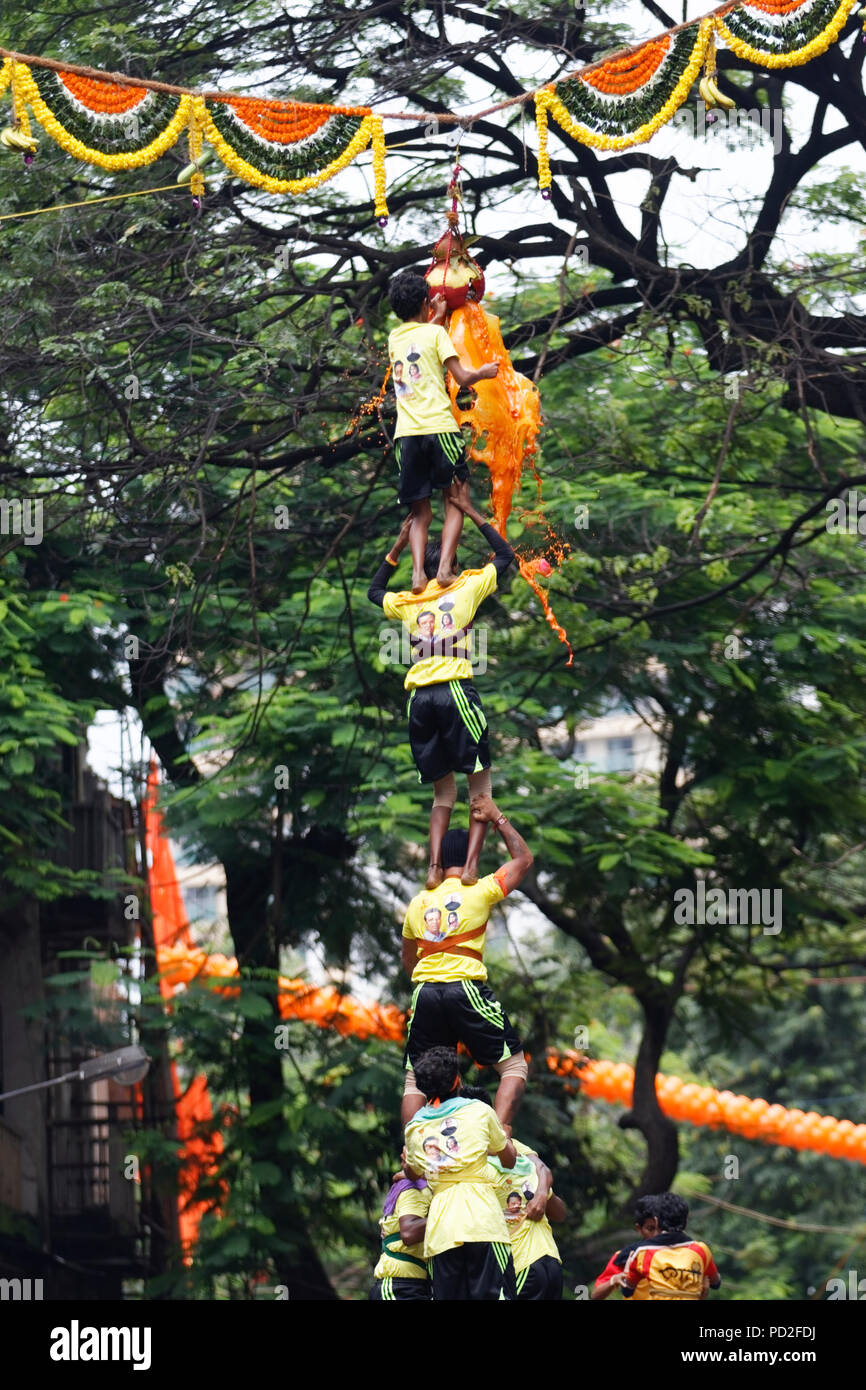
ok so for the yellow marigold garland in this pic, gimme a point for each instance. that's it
(6, 74)
(798, 56)
(369, 130)
(136, 159)
(547, 100)
(194, 143)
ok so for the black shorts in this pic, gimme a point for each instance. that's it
(480, 1271)
(540, 1282)
(399, 1290)
(447, 730)
(427, 462)
(446, 1012)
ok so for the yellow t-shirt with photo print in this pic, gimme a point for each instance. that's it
(418, 352)
(433, 616)
(449, 1144)
(530, 1240)
(450, 910)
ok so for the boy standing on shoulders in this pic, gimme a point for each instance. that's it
(428, 441)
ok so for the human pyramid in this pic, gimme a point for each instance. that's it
(469, 1214)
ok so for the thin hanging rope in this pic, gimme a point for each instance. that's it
(90, 202)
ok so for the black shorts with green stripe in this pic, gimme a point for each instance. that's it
(447, 730)
(478, 1271)
(540, 1282)
(390, 1290)
(446, 1012)
(428, 462)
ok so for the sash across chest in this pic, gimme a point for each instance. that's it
(452, 945)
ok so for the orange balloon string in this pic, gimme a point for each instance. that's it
(703, 1105)
(602, 1080)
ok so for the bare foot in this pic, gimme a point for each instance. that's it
(419, 581)
(469, 875)
(435, 875)
(445, 578)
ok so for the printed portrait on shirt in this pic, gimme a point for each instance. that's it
(433, 924)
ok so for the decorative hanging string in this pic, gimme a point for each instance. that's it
(120, 122)
(89, 202)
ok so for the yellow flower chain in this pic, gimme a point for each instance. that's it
(20, 118)
(379, 176)
(194, 143)
(135, 159)
(548, 100)
(544, 175)
(6, 74)
(366, 132)
(814, 49)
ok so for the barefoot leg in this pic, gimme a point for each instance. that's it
(452, 528)
(422, 514)
(440, 816)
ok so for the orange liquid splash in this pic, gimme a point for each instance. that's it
(506, 415)
(370, 407)
(529, 569)
(506, 419)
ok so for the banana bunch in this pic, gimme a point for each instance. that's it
(711, 95)
(12, 139)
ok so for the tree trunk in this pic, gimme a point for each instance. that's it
(646, 1114)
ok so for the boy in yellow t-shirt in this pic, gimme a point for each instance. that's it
(447, 723)
(448, 1141)
(401, 1274)
(444, 933)
(428, 442)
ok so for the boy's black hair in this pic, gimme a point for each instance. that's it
(645, 1208)
(432, 555)
(476, 1093)
(455, 847)
(407, 292)
(435, 1073)
(672, 1212)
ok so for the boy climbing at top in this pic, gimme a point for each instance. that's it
(428, 442)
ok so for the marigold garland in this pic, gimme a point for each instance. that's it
(130, 159)
(294, 147)
(548, 100)
(740, 26)
(370, 130)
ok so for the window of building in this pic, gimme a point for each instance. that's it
(620, 755)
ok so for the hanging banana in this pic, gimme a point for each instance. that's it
(12, 139)
(710, 94)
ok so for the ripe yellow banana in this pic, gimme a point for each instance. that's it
(720, 98)
(14, 139)
(706, 95)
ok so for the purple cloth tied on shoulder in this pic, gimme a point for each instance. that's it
(397, 1189)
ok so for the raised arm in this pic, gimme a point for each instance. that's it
(503, 555)
(512, 873)
(379, 583)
